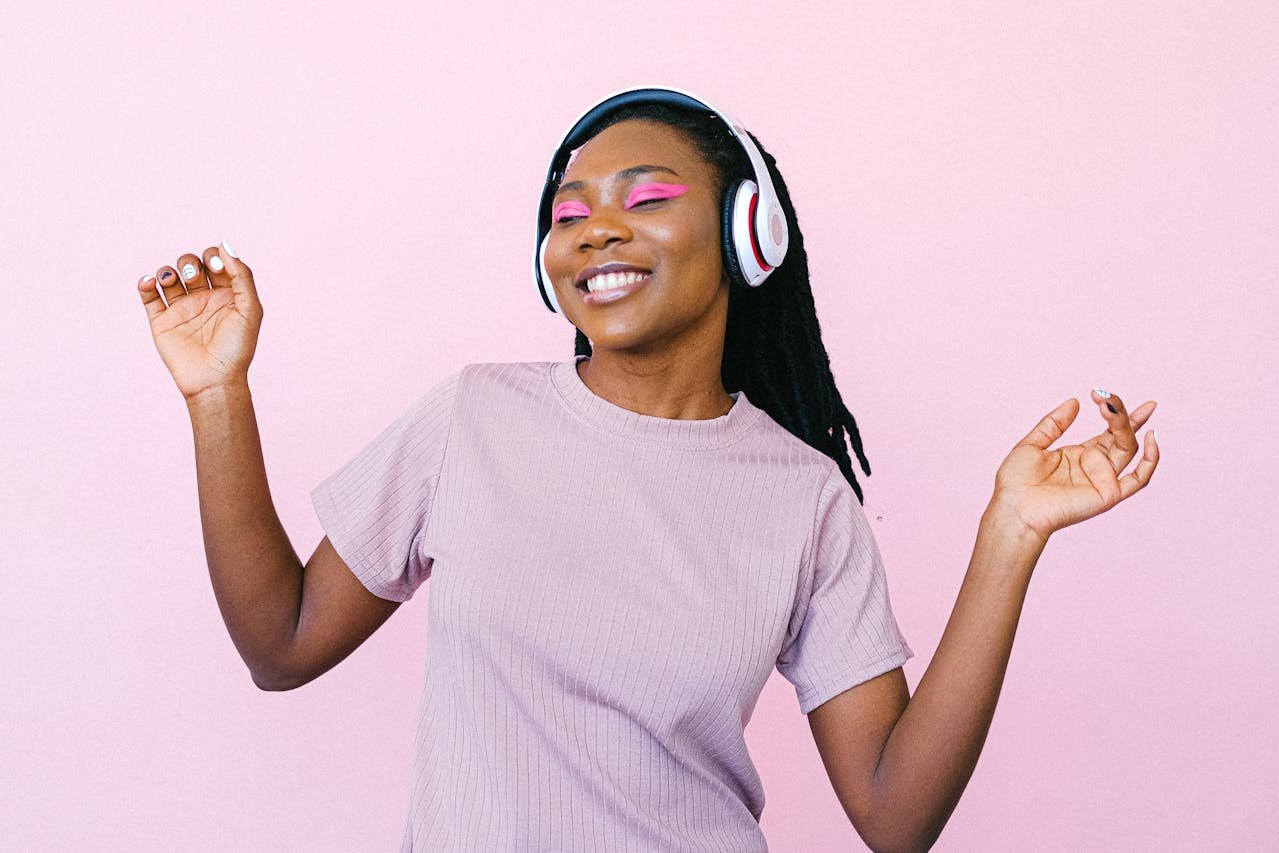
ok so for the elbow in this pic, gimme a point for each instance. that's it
(276, 673)
(892, 834)
(897, 846)
(273, 682)
(899, 841)
(892, 823)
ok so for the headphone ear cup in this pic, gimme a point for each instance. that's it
(731, 264)
(544, 282)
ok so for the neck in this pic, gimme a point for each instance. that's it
(669, 387)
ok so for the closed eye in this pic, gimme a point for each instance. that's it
(566, 219)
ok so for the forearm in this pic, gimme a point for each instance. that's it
(256, 575)
(933, 748)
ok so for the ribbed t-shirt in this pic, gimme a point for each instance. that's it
(610, 591)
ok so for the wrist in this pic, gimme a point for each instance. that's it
(1002, 520)
(217, 396)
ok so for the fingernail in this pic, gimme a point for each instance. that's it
(166, 275)
(144, 278)
(229, 250)
(215, 264)
(1102, 392)
(1154, 434)
(1113, 410)
(188, 271)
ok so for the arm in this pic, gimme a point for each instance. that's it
(932, 750)
(290, 623)
(256, 575)
(899, 763)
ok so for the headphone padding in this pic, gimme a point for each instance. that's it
(735, 275)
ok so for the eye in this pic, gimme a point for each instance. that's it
(569, 211)
(655, 192)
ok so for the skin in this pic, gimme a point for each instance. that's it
(898, 763)
(658, 351)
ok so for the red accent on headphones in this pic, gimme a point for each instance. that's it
(759, 259)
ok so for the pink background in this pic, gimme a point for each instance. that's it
(1003, 207)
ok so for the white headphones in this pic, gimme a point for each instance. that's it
(754, 229)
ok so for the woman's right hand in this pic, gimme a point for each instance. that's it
(207, 334)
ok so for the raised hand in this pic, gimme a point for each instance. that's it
(208, 333)
(1052, 489)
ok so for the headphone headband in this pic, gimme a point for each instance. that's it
(755, 235)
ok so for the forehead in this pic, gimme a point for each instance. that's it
(633, 141)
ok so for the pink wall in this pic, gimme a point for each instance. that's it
(1003, 207)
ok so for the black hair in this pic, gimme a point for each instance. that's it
(773, 348)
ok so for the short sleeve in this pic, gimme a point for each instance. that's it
(375, 508)
(842, 630)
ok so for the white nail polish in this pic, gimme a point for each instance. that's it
(188, 271)
(215, 264)
(1101, 392)
(229, 250)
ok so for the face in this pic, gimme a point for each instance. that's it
(663, 219)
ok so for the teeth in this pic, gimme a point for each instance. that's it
(608, 281)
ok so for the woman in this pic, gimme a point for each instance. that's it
(626, 548)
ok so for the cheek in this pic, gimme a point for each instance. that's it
(556, 264)
(694, 240)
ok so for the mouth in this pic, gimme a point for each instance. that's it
(612, 267)
(610, 287)
(610, 279)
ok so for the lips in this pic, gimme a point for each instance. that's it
(611, 266)
(612, 291)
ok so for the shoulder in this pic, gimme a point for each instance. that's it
(488, 387)
(496, 377)
(815, 467)
(490, 371)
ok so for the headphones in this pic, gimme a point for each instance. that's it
(753, 226)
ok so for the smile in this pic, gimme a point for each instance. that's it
(610, 287)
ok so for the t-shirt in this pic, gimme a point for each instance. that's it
(610, 591)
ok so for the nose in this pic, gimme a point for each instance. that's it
(603, 228)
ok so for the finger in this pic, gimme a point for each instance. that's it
(1139, 477)
(1121, 443)
(170, 284)
(150, 296)
(1136, 419)
(1053, 425)
(215, 268)
(242, 283)
(191, 268)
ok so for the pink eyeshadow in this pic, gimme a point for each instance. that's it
(572, 208)
(648, 192)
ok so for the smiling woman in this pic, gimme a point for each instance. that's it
(695, 324)
(624, 546)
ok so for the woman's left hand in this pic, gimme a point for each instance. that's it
(1052, 489)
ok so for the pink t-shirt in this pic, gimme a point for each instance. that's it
(609, 593)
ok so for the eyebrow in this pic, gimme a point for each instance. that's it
(623, 175)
